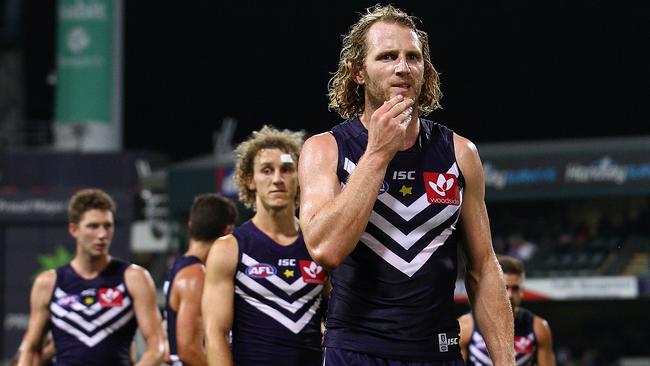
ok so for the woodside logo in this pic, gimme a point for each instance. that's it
(442, 188)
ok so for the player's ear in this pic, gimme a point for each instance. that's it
(73, 229)
(227, 230)
(359, 74)
(250, 184)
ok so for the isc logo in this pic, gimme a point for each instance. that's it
(444, 342)
(260, 270)
(286, 262)
(404, 175)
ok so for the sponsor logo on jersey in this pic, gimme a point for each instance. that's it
(442, 188)
(312, 272)
(444, 342)
(67, 300)
(287, 262)
(523, 344)
(260, 270)
(109, 297)
(404, 175)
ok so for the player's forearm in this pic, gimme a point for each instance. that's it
(333, 232)
(153, 356)
(218, 351)
(28, 358)
(493, 314)
(192, 356)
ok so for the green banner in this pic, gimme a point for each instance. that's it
(84, 61)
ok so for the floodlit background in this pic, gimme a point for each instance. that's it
(147, 100)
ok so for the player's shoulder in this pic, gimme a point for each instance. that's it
(135, 273)
(188, 282)
(194, 270)
(224, 248)
(318, 143)
(464, 147)
(539, 321)
(466, 320)
(45, 280)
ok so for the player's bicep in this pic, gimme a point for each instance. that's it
(143, 292)
(474, 221)
(39, 316)
(189, 286)
(217, 303)
(317, 175)
(545, 355)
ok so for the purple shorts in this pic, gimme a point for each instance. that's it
(341, 357)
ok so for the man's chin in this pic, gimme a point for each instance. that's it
(276, 204)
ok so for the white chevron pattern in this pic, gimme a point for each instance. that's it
(406, 241)
(295, 327)
(289, 289)
(267, 294)
(99, 336)
(480, 357)
(279, 283)
(77, 326)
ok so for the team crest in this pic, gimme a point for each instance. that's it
(88, 296)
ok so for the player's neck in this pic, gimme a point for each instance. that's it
(198, 249)
(89, 267)
(281, 226)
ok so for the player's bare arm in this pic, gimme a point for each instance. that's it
(545, 355)
(142, 290)
(484, 279)
(466, 328)
(186, 299)
(332, 220)
(217, 304)
(39, 317)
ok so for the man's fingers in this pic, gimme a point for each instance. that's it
(389, 104)
(406, 115)
(397, 107)
(401, 107)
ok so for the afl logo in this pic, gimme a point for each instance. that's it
(260, 270)
(384, 187)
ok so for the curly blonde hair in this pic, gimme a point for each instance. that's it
(346, 96)
(268, 137)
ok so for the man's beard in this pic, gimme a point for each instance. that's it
(377, 95)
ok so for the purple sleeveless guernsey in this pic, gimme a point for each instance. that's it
(392, 296)
(93, 322)
(180, 262)
(525, 342)
(278, 304)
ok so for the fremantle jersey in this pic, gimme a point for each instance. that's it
(277, 302)
(525, 342)
(392, 296)
(170, 315)
(93, 322)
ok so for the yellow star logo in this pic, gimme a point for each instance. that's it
(288, 273)
(406, 190)
(89, 300)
